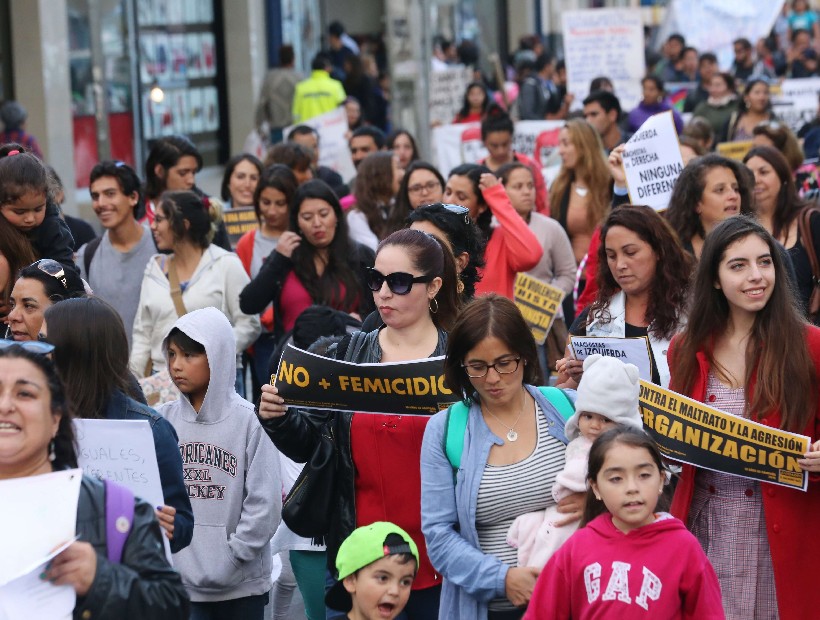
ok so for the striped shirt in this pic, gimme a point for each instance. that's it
(508, 491)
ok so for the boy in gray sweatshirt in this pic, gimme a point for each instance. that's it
(231, 473)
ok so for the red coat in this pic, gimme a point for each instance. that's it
(792, 517)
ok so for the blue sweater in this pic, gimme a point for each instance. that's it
(166, 444)
(471, 578)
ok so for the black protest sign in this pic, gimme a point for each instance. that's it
(406, 388)
(690, 432)
(238, 221)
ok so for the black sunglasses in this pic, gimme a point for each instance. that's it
(54, 269)
(398, 281)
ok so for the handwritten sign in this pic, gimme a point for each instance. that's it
(333, 150)
(652, 162)
(121, 451)
(628, 350)
(606, 42)
(404, 388)
(447, 93)
(238, 221)
(539, 303)
(690, 432)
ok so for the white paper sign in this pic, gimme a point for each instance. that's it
(628, 350)
(39, 514)
(31, 598)
(333, 149)
(604, 42)
(121, 451)
(447, 93)
(652, 162)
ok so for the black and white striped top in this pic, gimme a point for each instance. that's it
(507, 491)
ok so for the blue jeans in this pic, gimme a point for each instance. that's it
(246, 608)
(422, 604)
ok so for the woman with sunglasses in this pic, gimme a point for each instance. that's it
(314, 263)
(414, 286)
(39, 286)
(513, 447)
(39, 439)
(511, 246)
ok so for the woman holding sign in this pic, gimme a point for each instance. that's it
(641, 292)
(38, 439)
(747, 350)
(377, 473)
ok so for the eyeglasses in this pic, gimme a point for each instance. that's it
(477, 370)
(54, 269)
(398, 281)
(32, 346)
(423, 187)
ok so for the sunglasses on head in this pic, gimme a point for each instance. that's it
(398, 282)
(32, 346)
(54, 269)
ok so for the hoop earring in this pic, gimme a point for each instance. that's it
(430, 305)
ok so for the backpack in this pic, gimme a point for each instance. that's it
(457, 422)
(88, 255)
(119, 517)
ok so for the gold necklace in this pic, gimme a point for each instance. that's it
(512, 435)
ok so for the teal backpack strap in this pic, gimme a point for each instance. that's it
(454, 433)
(559, 400)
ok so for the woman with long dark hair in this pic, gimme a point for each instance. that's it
(754, 107)
(314, 263)
(375, 213)
(422, 184)
(747, 351)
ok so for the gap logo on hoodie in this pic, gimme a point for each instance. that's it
(200, 453)
(618, 584)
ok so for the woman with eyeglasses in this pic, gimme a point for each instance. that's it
(512, 448)
(314, 262)
(38, 439)
(642, 281)
(37, 287)
(422, 184)
(413, 283)
(511, 246)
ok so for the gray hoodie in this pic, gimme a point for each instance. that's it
(231, 472)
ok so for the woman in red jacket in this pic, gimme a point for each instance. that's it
(747, 350)
(511, 245)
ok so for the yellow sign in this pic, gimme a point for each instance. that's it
(734, 150)
(239, 221)
(690, 432)
(539, 302)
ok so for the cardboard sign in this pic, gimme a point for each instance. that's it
(447, 90)
(606, 42)
(690, 432)
(734, 150)
(539, 303)
(333, 150)
(403, 388)
(628, 350)
(238, 221)
(652, 162)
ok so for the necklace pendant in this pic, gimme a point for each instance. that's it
(512, 435)
(581, 191)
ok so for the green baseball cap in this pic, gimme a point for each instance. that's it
(364, 546)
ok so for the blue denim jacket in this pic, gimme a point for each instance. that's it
(471, 578)
(166, 444)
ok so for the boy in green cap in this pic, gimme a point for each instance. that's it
(376, 566)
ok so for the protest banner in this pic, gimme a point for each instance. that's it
(539, 303)
(606, 42)
(121, 451)
(447, 93)
(691, 432)
(403, 388)
(734, 150)
(652, 162)
(238, 221)
(794, 102)
(333, 150)
(628, 350)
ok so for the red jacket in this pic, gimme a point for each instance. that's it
(542, 199)
(656, 572)
(512, 247)
(792, 517)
